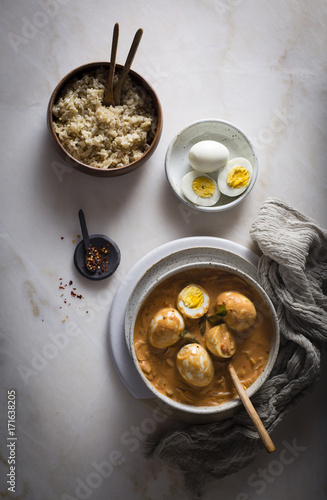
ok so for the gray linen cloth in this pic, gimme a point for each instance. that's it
(293, 271)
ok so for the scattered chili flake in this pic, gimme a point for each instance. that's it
(61, 287)
(62, 237)
(70, 283)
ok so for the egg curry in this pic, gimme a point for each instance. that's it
(191, 324)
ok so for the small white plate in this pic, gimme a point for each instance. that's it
(177, 164)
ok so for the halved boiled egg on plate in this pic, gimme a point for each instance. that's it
(200, 189)
(234, 178)
(193, 301)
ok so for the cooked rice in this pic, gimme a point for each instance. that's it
(100, 136)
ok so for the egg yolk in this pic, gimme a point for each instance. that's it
(193, 297)
(203, 187)
(238, 177)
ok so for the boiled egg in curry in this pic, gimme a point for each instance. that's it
(193, 301)
(220, 341)
(165, 327)
(240, 311)
(195, 365)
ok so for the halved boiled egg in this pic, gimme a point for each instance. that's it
(200, 189)
(195, 365)
(208, 156)
(193, 302)
(165, 327)
(234, 178)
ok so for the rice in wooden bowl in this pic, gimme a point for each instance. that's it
(104, 141)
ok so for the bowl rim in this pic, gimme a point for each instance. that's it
(234, 201)
(257, 384)
(84, 166)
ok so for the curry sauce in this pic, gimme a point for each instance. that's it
(159, 364)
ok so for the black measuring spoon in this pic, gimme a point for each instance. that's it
(96, 257)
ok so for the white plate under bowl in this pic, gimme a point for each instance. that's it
(174, 264)
(177, 164)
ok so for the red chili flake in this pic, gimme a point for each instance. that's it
(62, 287)
(97, 259)
(73, 294)
(70, 283)
(62, 237)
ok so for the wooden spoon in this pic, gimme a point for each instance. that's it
(108, 99)
(221, 343)
(265, 438)
(127, 67)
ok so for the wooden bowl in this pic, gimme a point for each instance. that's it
(83, 167)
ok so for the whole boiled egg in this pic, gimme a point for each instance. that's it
(234, 178)
(165, 327)
(193, 301)
(195, 365)
(240, 310)
(200, 189)
(220, 341)
(208, 156)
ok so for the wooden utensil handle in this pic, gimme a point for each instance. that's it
(128, 64)
(109, 94)
(251, 410)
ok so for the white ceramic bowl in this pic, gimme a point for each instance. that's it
(177, 164)
(155, 275)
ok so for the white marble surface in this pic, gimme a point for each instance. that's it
(261, 65)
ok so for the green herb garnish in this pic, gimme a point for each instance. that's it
(186, 335)
(217, 318)
(202, 324)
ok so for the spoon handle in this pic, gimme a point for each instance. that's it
(85, 233)
(109, 95)
(265, 438)
(128, 64)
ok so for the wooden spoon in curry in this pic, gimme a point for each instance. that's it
(220, 341)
